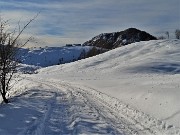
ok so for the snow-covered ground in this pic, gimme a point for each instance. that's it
(49, 56)
(134, 89)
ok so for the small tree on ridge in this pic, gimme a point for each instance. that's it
(177, 33)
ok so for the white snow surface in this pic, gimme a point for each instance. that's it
(134, 89)
(49, 56)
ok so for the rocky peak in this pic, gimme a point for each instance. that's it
(117, 39)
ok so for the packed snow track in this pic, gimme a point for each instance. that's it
(59, 108)
(71, 110)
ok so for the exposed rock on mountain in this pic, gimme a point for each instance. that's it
(117, 39)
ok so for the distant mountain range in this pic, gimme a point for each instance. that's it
(117, 39)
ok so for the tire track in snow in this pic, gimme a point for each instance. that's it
(141, 122)
(38, 126)
(94, 111)
(76, 115)
(119, 123)
(81, 110)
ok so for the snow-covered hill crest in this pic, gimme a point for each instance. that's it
(144, 75)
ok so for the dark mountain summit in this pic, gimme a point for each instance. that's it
(117, 39)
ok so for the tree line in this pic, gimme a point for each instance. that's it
(177, 34)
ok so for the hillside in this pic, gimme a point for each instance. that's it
(144, 75)
(133, 89)
(49, 56)
(116, 39)
(42, 57)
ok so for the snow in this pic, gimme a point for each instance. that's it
(49, 56)
(144, 75)
(129, 90)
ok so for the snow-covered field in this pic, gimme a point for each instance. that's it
(134, 89)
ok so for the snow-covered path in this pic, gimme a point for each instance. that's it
(71, 111)
(50, 107)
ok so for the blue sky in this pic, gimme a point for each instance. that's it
(76, 21)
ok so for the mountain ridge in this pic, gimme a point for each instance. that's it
(117, 39)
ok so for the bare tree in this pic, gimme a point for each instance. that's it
(167, 33)
(9, 59)
(177, 33)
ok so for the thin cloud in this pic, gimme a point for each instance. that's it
(81, 20)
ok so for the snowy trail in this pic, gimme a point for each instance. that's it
(74, 110)
(125, 119)
(71, 112)
(52, 107)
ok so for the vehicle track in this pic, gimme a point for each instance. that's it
(75, 110)
(71, 112)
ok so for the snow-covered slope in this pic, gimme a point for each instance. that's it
(132, 90)
(49, 56)
(144, 75)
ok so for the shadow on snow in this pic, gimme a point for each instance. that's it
(157, 67)
(47, 112)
